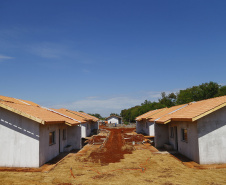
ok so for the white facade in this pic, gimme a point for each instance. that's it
(145, 127)
(25, 143)
(19, 141)
(87, 128)
(206, 138)
(113, 120)
(212, 137)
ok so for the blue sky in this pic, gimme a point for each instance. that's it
(103, 56)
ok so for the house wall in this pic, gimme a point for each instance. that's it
(94, 125)
(84, 130)
(151, 126)
(74, 137)
(189, 148)
(19, 140)
(63, 142)
(161, 135)
(212, 137)
(48, 152)
(145, 127)
(113, 120)
(139, 126)
(88, 128)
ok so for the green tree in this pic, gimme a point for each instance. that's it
(222, 91)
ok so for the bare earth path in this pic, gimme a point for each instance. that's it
(113, 149)
(140, 166)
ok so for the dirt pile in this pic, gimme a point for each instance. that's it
(130, 138)
(97, 140)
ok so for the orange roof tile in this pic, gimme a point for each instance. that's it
(199, 109)
(84, 115)
(165, 113)
(36, 113)
(68, 113)
(18, 101)
(186, 112)
(148, 114)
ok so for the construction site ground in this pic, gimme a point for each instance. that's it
(118, 156)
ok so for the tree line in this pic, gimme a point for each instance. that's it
(195, 93)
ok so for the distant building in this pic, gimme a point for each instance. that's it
(114, 119)
(196, 130)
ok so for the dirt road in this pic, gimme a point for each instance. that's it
(114, 148)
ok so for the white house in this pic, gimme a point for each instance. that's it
(114, 119)
(31, 135)
(88, 123)
(196, 130)
(145, 123)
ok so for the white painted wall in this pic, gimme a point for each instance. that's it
(88, 129)
(212, 137)
(145, 127)
(74, 137)
(161, 135)
(19, 140)
(189, 148)
(85, 129)
(48, 152)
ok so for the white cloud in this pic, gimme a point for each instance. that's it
(86, 71)
(105, 106)
(47, 50)
(101, 106)
(3, 57)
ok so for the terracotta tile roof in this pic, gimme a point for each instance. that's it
(84, 115)
(70, 114)
(199, 109)
(35, 112)
(148, 114)
(18, 101)
(165, 114)
(187, 112)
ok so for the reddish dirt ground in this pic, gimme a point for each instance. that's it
(97, 140)
(137, 138)
(112, 150)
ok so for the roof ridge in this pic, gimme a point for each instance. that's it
(22, 101)
(61, 114)
(85, 114)
(166, 108)
(172, 112)
(142, 115)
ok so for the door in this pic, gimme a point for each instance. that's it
(176, 138)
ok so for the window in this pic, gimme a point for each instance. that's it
(171, 132)
(64, 134)
(52, 138)
(184, 133)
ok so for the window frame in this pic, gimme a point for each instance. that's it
(52, 138)
(184, 135)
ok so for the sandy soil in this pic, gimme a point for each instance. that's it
(140, 166)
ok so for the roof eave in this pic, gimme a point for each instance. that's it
(208, 112)
(22, 114)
